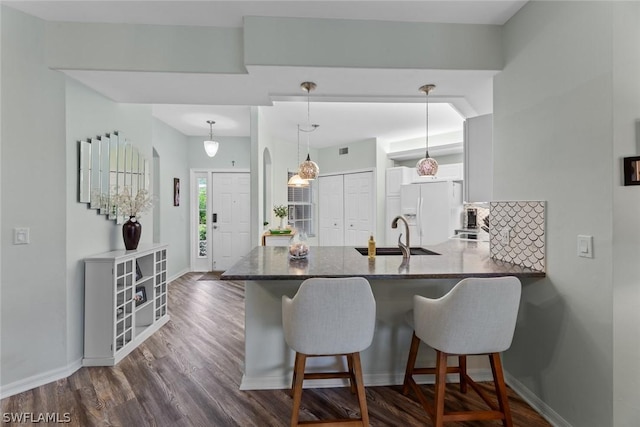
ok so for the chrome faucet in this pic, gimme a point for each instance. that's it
(404, 248)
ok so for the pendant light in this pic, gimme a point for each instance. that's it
(427, 166)
(295, 180)
(308, 169)
(211, 146)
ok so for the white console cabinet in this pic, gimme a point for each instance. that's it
(115, 323)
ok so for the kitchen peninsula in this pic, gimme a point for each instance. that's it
(269, 274)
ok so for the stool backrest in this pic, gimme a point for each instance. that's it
(330, 316)
(478, 316)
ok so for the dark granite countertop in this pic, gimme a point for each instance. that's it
(457, 259)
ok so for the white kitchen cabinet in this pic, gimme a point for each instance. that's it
(395, 178)
(114, 323)
(347, 210)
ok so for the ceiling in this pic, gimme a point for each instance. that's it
(348, 104)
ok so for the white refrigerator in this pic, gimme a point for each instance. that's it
(433, 211)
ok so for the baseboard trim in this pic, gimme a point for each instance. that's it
(535, 402)
(178, 275)
(39, 379)
(370, 380)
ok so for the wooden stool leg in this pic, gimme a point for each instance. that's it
(298, 375)
(501, 388)
(352, 377)
(441, 380)
(362, 397)
(411, 362)
(462, 364)
(295, 369)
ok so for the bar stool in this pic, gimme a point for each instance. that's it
(477, 317)
(330, 317)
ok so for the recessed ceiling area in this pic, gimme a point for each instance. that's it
(350, 105)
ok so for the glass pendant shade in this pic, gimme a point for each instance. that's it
(308, 169)
(427, 166)
(296, 181)
(211, 147)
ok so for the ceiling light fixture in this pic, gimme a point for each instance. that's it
(211, 146)
(427, 166)
(308, 169)
(295, 180)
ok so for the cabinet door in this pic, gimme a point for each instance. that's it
(359, 208)
(160, 284)
(124, 304)
(392, 210)
(331, 210)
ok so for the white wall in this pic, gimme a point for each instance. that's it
(174, 220)
(626, 232)
(33, 285)
(552, 141)
(233, 153)
(362, 155)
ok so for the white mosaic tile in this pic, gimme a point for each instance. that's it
(526, 221)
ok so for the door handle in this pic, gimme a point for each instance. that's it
(215, 227)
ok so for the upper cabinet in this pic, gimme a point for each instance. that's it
(395, 177)
(478, 159)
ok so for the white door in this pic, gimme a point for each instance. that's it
(359, 208)
(230, 206)
(222, 214)
(331, 210)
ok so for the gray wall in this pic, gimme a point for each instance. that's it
(33, 331)
(174, 220)
(626, 232)
(231, 149)
(552, 141)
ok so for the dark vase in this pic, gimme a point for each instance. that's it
(131, 231)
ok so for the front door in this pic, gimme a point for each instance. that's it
(223, 215)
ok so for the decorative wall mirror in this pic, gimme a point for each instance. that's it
(109, 164)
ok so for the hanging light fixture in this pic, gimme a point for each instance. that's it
(295, 180)
(427, 166)
(211, 146)
(308, 169)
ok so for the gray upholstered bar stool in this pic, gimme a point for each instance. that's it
(477, 317)
(330, 317)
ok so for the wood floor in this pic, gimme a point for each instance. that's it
(188, 374)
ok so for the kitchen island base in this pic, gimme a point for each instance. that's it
(269, 361)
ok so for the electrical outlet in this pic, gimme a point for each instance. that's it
(505, 236)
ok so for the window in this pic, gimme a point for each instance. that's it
(300, 203)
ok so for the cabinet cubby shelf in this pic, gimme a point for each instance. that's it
(113, 324)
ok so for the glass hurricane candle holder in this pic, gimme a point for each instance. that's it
(298, 246)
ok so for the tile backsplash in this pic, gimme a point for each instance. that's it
(517, 233)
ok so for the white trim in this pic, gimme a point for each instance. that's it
(178, 275)
(535, 402)
(40, 379)
(372, 169)
(370, 380)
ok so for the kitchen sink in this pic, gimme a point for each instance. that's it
(394, 250)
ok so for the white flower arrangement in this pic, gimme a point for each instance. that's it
(129, 206)
(280, 211)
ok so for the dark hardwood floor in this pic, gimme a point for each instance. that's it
(188, 374)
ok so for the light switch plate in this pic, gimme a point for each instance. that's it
(585, 246)
(20, 236)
